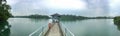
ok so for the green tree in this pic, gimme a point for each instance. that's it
(4, 10)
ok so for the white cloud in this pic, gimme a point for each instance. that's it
(26, 7)
(72, 4)
(39, 6)
(12, 2)
(114, 10)
(114, 3)
(114, 14)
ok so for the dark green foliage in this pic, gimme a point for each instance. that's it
(38, 16)
(62, 17)
(117, 20)
(4, 28)
(67, 17)
(4, 10)
(71, 17)
(33, 16)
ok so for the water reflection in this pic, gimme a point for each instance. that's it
(4, 28)
(118, 26)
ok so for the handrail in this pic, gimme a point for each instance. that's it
(67, 29)
(43, 28)
(38, 30)
(40, 34)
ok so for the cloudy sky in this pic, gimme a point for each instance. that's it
(48, 7)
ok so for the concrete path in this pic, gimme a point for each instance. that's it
(55, 30)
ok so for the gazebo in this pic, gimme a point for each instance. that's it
(55, 17)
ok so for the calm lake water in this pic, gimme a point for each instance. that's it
(89, 27)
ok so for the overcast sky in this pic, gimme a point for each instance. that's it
(48, 7)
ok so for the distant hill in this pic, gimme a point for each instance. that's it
(71, 17)
(32, 16)
(62, 17)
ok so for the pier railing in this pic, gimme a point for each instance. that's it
(40, 31)
(66, 31)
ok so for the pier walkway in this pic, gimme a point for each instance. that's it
(55, 30)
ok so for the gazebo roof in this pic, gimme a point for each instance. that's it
(55, 14)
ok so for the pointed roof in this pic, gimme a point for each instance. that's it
(56, 14)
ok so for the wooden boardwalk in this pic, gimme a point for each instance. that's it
(54, 31)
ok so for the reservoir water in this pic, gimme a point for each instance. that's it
(88, 27)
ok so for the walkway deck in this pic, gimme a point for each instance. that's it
(55, 30)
